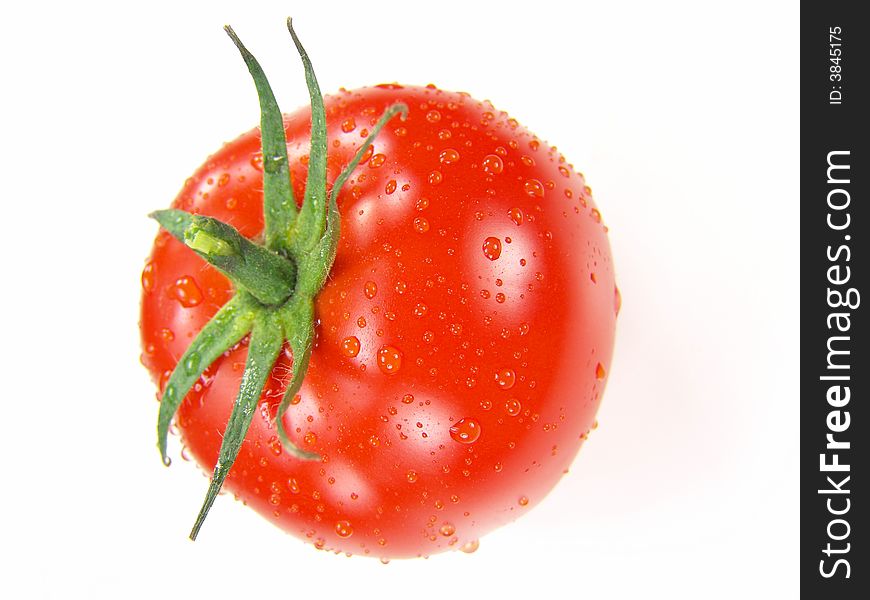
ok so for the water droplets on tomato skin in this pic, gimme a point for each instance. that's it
(186, 292)
(600, 373)
(492, 164)
(516, 215)
(421, 224)
(350, 346)
(343, 529)
(448, 156)
(376, 161)
(505, 379)
(617, 300)
(492, 248)
(389, 360)
(257, 161)
(447, 529)
(513, 407)
(370, 289)
(534, 188)
(435, 177)
(465, 431)
(470, 547)
(148, 278)
(348, 125)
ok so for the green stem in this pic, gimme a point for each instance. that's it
(268, 277)
(278, 202)
(298, 324)
(266, 342)
(312, 218)
(276, 283)
(315, 266)
(226, 328)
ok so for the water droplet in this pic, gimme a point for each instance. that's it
(596, 215)
(600, 373)
(500, 298)
(148, 278)
(407, 398)
(257, 161)
(470, 547)
(391, 186)
(492, 164)
(593, 277)
(534, 188)
(516, 216)
(389, 360)
(411, 476)
(448, 156)
(343, 529)
(492, 248)
(348, 125)
(421, 224)
(370, 289)
(435, 177)
(192, 362)
(506, 378)
(447, 529)
(444, 134)
(564, 171)
(420, 310)
(186, 292)
(513, 407)
(350, 346)
(527, 160)
(523, 501)
(617, 299)
(465, 431)
(310, 438)
(376, 161)
(433, 116)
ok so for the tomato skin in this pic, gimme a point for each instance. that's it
(463, 339)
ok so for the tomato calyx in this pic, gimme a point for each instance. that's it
(264, 274)
(276, 282)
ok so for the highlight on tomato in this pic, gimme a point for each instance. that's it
(384, 321)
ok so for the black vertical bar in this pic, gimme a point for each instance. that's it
(835, 363)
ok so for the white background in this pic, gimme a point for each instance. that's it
(683, 116)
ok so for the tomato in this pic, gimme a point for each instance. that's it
(462, 340)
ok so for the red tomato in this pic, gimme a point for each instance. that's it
(463, 339)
